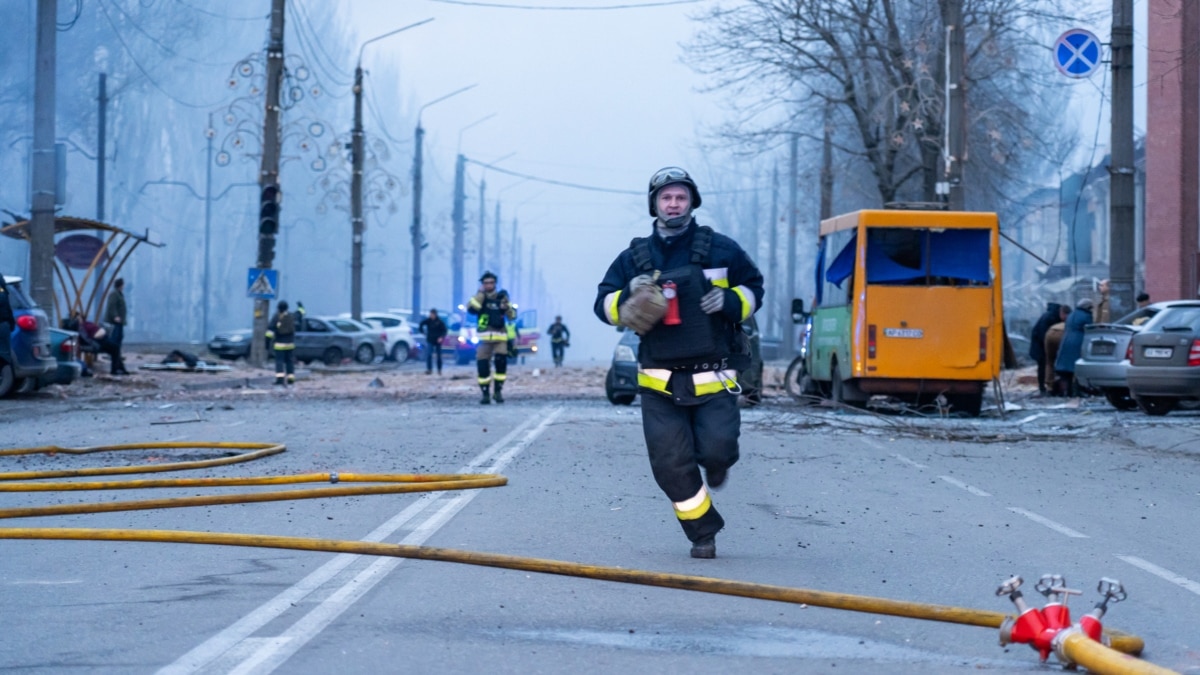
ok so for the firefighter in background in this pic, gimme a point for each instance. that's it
(560, 339)
(684, 289)
(281, 330)
(493, 312)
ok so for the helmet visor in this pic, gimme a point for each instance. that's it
(671, 174)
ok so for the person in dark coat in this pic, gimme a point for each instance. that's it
(1072, 344)
(117, 316)
(1037, 341)
(688, 361)
(434, 329)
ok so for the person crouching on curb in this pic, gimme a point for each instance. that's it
(684, 289)
(282, 329)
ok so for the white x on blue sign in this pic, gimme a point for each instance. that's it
(1077, 53)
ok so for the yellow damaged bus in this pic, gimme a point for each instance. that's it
(908, 304)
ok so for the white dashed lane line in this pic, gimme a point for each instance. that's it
(969, 488)
(909, 462)
(1042, 520)
(1144, 565)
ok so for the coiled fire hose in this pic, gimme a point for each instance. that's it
(1077, 648)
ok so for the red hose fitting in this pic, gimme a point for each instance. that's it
(1091, 627)
(1056, 615)
(1024, 629)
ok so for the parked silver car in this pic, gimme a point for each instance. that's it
(1104, 358)
(331, 338)
(328, 339)
(1164, 367)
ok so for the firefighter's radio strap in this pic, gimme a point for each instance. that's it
(698, 339)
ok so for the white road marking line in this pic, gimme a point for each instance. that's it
(1181, 581)
(867, 441)
(969, 488)
(1032, 418)
(212, 649)
(908, 461)
(1041, 520)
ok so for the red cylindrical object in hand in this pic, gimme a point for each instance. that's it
(672, 317)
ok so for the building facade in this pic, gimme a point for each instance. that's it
(1173, 150)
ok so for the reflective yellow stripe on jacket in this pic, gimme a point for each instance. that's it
(712, 382)
(610, 306)
(719, 276)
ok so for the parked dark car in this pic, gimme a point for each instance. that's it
(65, 345)
(1164, 360)
(33, 358)
(1103, 362)
(620, 383)
(325, 339)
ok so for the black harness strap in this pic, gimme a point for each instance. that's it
(701, 249)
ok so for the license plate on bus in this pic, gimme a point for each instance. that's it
(1157, 352)
(915, 333)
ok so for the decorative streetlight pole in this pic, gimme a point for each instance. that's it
(356, 191)
(417, 238)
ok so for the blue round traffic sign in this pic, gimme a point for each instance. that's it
(1077, 53)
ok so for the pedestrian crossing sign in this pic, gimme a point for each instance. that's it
(262, 284)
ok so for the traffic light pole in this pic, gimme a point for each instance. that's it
(268, 178)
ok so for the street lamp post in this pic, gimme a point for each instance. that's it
(356, 175)
(209, 133)
(456, 262)
(417, 239)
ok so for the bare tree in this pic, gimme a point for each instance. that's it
(880, 64)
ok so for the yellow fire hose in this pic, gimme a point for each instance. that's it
(1075, 648)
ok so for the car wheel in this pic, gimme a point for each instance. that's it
(797, 382)
(752, 385)
(332, 356)
(1119, 398)
(838, 390)
(1156, 405)
(365, 353)
(400, 352)
(7, 380)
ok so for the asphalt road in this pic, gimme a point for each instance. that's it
(909, 508)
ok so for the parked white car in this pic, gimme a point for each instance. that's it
(401, 342)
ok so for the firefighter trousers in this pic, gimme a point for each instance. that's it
(680, 439)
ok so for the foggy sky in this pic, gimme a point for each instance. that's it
(596, 98)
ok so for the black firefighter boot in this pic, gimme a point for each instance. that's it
(499, 398)
(487, 397)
